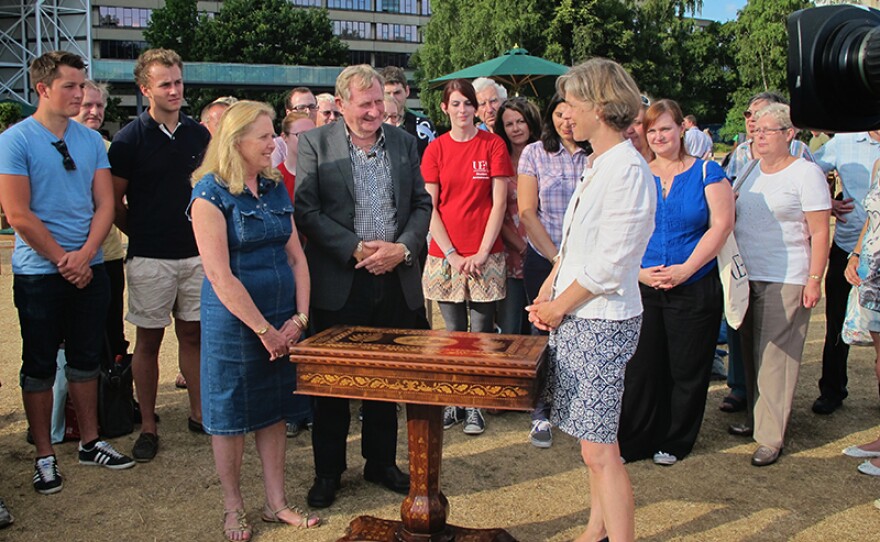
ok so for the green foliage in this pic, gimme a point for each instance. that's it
(174, 27)
(761, 53)
(10, 113)
(466, 32)
(269, 32)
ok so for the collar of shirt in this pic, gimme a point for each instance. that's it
(151, 122)
(579, 150)
(379, 144)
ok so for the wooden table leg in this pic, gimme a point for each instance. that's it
(425, 509)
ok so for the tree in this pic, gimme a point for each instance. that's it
(269, 32)
(466, 32)
(761, 52)
(10, 113)
(710, 77)
(174, 27)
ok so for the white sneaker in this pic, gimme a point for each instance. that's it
(474, 424)
(540, 435)
(662, 458)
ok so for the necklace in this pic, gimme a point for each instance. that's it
(665, 185)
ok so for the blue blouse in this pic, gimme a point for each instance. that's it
(682, 218)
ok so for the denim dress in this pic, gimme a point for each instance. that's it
(242, 390)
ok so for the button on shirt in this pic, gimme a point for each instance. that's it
(853, 156)
(375, 216)
(558, 174)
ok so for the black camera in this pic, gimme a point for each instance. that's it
(834, 68)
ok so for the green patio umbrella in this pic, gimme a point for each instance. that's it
(516, 69)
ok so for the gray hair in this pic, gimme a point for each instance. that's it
(325, 97)
(100, 87)
(781, 113)
(770, 96)
(361, 77)
(482, 83)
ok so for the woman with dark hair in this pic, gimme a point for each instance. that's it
(466, 171)
(518, 122)
(668, 377)
(548, 172)
(590, 301)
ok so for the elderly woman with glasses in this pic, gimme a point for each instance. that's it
(783, 208)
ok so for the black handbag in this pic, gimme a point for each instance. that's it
(115, 396)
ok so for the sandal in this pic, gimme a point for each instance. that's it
(180, 382)
(241, 532)
(306, 521)
(732, 403)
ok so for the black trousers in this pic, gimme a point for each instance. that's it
(536, 269)
(374, 301)
(115, 326)
(832, 384)
(668, 377)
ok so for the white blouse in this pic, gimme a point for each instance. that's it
(606, 229)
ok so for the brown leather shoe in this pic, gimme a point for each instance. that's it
(765, 455)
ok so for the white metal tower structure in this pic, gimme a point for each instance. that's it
(29, 28)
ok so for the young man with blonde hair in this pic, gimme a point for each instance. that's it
(152, 159)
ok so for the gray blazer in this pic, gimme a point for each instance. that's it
(324, 211)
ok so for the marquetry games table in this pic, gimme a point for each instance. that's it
(427, 370)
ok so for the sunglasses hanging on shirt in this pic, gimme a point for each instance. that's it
(66, 159)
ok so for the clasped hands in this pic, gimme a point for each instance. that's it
(662, 277)
(75, 269)
(469, 266)
(279, 341)
(379, 257)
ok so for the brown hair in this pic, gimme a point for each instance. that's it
(530, 113)
(394, 76)
(165, 57)
(660, 108)
(44, 69)
(464, 87)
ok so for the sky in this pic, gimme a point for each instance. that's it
(721, 10)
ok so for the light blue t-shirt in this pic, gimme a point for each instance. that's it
(853, 156)
(61, 199)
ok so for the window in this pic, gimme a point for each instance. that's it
(359, 57)
(306, 3)
(426, 7)
(393, 59)
(125, 50)
(109, 16)
(397, 32)
(410, 7)
(356, 5)
(352, 30)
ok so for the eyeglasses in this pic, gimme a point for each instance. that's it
(295, 134)
(330, 113)
(747, 114)
(302, 108)
(61, 147)
(768, 131)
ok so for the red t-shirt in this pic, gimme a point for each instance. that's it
(464, 171)
(289, 179)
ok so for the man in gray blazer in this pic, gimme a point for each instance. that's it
(362, 204)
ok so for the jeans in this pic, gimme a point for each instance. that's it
(52, 311)
(512, 309)
(482, 316)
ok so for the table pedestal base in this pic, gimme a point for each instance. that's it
(371, 529)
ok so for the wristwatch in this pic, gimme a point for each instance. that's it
(851, 254)
(407, 255)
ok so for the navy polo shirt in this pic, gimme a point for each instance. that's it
(159, 169)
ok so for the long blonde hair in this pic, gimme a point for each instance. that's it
(223, 158)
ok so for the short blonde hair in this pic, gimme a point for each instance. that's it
(362, 76)
(781, 113)
(607, 85)
(222, 157)
(100, 87)
(165, 57)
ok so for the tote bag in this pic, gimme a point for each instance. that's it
(732, 270)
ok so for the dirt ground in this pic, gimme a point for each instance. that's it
(813, 493)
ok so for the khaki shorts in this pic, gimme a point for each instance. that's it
(157, 288)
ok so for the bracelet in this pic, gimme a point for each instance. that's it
(360, 247)
(262, 331)
(815, 277)
(449, 252)
(851, 254)
(301, 320)
(556, 258)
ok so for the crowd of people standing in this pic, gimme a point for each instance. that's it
(597, 222)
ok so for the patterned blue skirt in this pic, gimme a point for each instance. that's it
(585, 378)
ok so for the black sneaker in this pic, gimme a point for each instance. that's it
(47, 479)
(104, 455)
(145, 447)
(452, 415)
